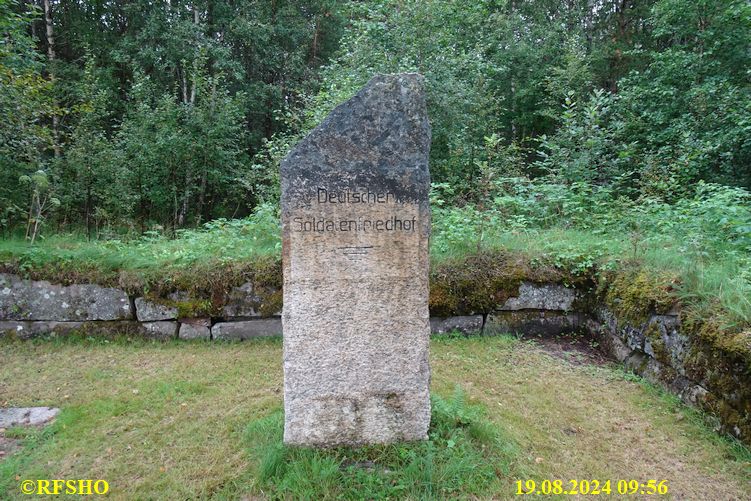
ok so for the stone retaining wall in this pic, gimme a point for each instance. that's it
(656, 349)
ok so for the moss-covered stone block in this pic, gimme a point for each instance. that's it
(476, 283)
(633, 294)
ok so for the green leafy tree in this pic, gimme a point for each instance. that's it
(25, 108)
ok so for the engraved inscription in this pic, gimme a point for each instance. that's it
(361, 224)
(359, 196)
(357, 224)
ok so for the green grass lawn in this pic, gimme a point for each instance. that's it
(189, 420)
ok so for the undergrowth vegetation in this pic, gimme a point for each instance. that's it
(217, 244)
(699, 246)
(703, 240)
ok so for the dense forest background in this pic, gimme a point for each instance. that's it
(126, 116)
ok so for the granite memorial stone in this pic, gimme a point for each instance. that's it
(355, 227)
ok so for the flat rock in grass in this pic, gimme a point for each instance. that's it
(247, 329)
(355, 229)
(40, 300)
(27, 416)
(149, 311)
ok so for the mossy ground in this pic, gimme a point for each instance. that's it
(171, 420)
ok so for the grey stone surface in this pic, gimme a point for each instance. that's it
(532, 323)
(633, 336)
(29, 330)
(40, 300)
(27, 416)
(605, 318)
(541, 297)
(675, 343)
(241, 302)
(160, 330)
(194, 331)
(694, 394)
(471, 324)
(615, 346)
(197, 321)
(355, 228)
(149, 311)
(32, 329)
(246, 329)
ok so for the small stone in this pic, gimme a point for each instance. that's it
(247, 329)
(465, 325)
(541, 297)
(26, 416)
(532, 323)
(241, 302)
(194, 331)
(150, 311)
(161, 330)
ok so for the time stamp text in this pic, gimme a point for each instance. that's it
(591, 487)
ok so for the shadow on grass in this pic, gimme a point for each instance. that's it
(464, 456)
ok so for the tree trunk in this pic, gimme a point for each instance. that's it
(51, 58)
(88, 204)
(182, 214)
(314, 48)
(31, 214)
(183, 82)
(195, 62)
(33, 24)
(37, 216)
(201, 197)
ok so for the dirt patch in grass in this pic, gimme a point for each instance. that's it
(167, 420)
(577, 350)
(8, 446)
